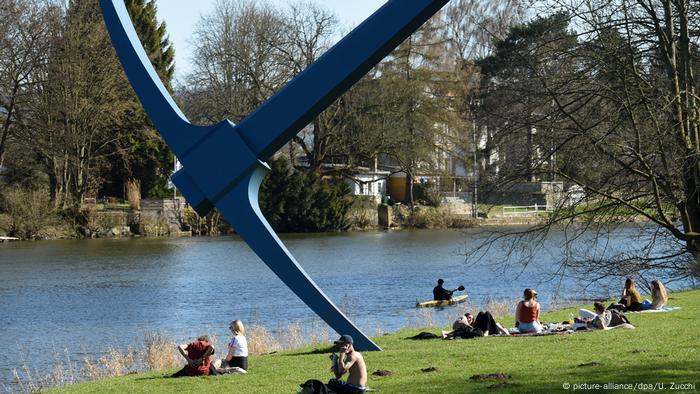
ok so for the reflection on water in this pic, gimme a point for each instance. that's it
(85, 295)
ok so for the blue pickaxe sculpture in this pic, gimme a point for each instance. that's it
(224, 164)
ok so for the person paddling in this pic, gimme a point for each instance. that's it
(442, 294)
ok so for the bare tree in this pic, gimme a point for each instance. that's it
(83, 105)
(619, 110)
(473, 26)
(472, 29)
(24, 45)
(309, 30)
(237, 63)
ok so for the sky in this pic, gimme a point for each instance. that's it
(181, 16)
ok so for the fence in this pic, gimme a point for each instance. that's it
(524, 210)
(464, 196)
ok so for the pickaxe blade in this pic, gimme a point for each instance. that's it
(224, 164)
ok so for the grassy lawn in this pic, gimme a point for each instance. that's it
(664, 349)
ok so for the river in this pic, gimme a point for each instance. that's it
(71, 299)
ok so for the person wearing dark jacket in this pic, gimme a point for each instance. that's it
(440, 293)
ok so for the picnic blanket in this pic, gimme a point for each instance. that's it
(662, 309)
(623, 326)
(537, 334)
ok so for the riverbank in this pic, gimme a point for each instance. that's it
(123, 223)
(662, 352)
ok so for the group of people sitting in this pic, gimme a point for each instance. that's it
(632, 301)
(198, 355)
(527, 314)
(347, 360)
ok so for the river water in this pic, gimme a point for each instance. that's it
(72, 299)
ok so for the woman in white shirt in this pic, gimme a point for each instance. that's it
(238, 348)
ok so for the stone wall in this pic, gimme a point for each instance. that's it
(161, 216)
(543, 194)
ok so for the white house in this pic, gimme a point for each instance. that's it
(365, 182)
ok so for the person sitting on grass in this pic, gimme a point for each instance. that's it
(631, 299)
(659, 297)
(468, 327)
(527, 313)
(236, 361)
(350, 361)
(197, 355)
(238, 348)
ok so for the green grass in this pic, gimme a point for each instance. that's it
(663, 349)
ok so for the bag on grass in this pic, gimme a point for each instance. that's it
(313, 386)
(424, 335)
(618, 318)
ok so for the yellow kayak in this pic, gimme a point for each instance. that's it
(455, 300)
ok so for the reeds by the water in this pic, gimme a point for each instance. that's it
(158, 352)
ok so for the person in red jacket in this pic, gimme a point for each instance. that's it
(197, 355)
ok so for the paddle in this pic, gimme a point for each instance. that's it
(460, 288)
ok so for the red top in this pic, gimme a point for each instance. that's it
(196, 350)
(528, 314)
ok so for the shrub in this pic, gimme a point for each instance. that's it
(159, 352)
(421, 217)
(362, 213)
(28, 211)
(261, 341)
(431, 194)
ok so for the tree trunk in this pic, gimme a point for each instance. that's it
(531, 160)
(7, 123)
(3, 139)
(133, 193)
(690, 216)
(409, 188)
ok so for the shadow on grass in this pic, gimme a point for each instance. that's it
(323, 350)
(154, 377)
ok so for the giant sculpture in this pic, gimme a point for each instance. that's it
(223, 164)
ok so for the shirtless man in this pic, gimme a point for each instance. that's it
(348, 360)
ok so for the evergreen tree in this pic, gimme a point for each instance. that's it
(145, 160)
(153, 37)
(302, 201)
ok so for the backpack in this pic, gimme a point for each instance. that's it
(313, 386)
(618, 318)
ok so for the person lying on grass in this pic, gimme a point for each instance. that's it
(602, 318)
(197, 355)
(468, 327)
